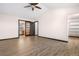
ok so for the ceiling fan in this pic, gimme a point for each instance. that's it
(33, 6)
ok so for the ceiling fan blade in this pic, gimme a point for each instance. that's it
(38, 7)
(33, 3)
(32, 9)
(27, 6)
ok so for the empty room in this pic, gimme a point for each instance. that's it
(39, 29)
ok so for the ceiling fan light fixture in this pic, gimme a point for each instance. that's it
(33, 5)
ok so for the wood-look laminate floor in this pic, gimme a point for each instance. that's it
(37, 46)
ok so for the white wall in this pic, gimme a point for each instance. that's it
(36, 28)
(8, 26)
(53, 24)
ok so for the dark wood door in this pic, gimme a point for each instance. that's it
(27, 28)
(32, 28)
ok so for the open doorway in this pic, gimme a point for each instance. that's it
(27, 28)
(74, 26)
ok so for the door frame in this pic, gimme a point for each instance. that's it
(25, 26)
(19, 26)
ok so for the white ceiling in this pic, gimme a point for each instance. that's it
(61, 5)
(19, 10)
